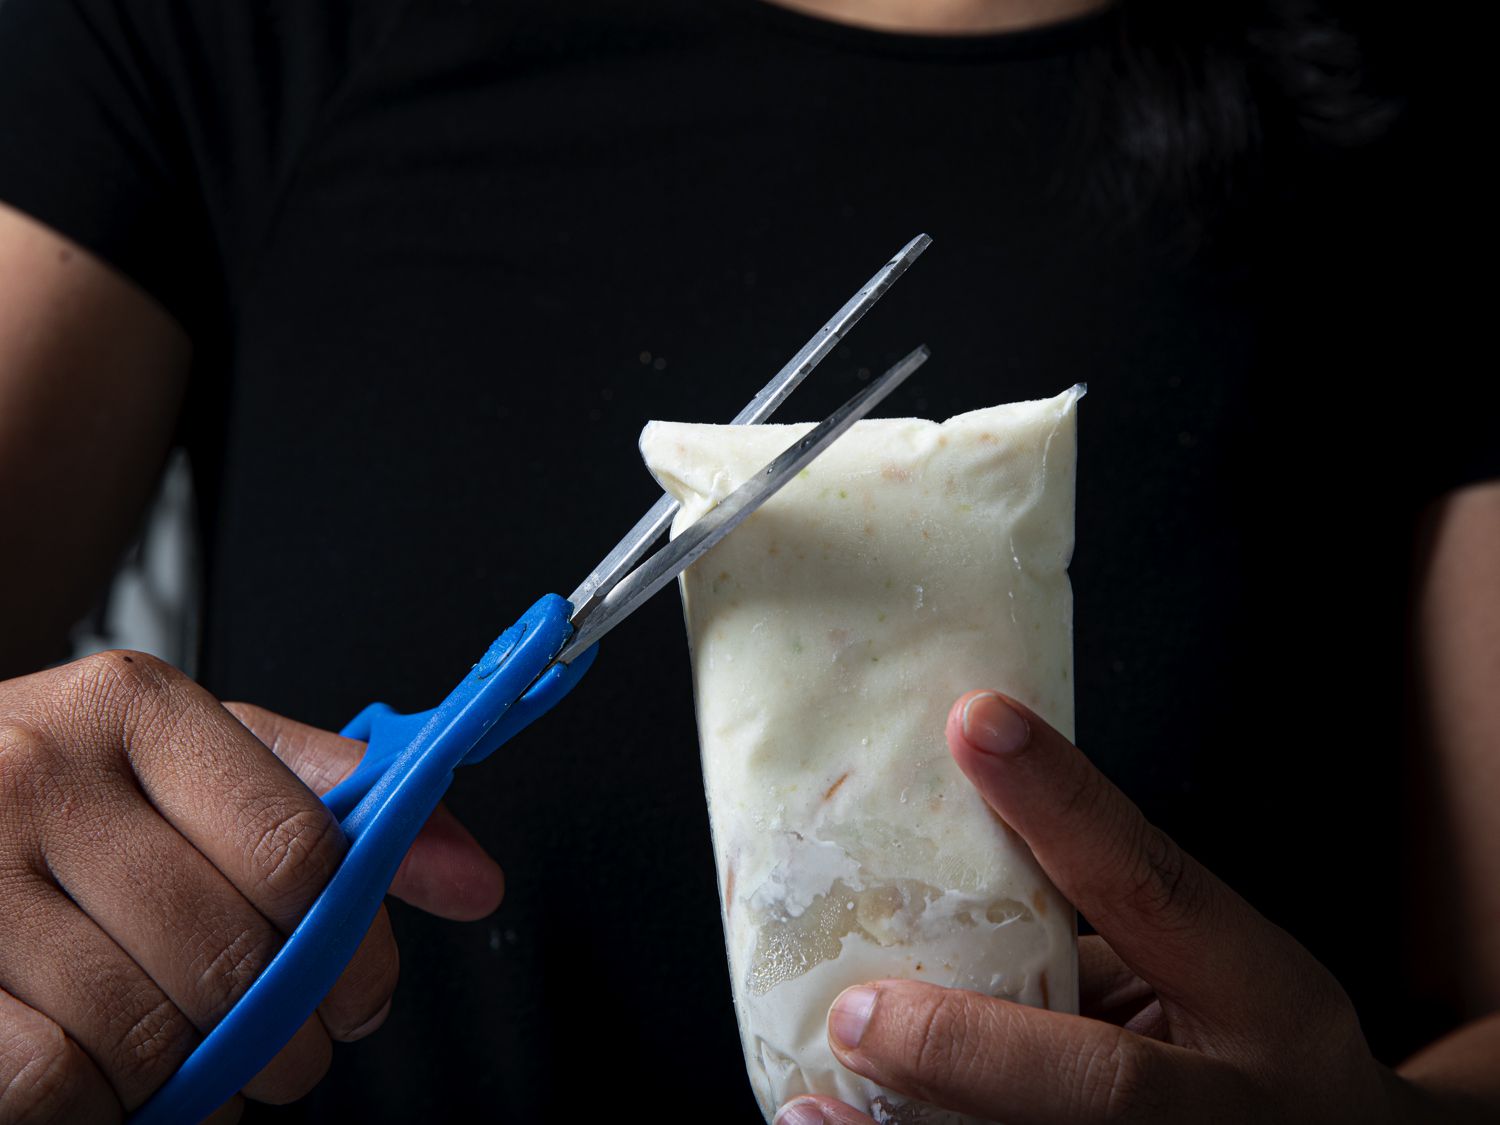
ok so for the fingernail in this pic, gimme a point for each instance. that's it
(993, 725)
(851, 1015)
(800, 1113)
(371, 1025)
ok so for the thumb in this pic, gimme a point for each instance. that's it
(1170, 920)
(446, 873)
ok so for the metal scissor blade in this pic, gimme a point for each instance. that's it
(774, 393)
(628, 595)
(650, 526)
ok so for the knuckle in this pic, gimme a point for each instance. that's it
(1323, 991)
(301, 1080)
(152, 1045)
(89, 678)
(367, 984)
(939, 1057)
(1114, 1082)
(38, 1075)
(26, 754)
(123, 671)
(1163, 881)
(99, 692)
(151, 673)
(23, 748)
(1327, 1024)
(34, 776)
(226, 975)
(1084, 795)
(295, 857)
(296, 1070)
(343, 1025)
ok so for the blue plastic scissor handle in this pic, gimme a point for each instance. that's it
(407, 768)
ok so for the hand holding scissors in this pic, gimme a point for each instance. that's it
(409, 760)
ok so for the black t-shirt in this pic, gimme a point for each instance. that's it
(442, 258)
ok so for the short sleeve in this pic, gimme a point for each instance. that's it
(85, 147)
(158, 133)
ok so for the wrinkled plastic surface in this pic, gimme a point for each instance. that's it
(830, 634)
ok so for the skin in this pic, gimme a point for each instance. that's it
(945, 17)
(136, 808)
(92, 374)
(165, 844)
(155, 845)
(1194, 1008)
(1457, 626)
(1238, 1050)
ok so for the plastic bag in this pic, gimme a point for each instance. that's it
(913, 561)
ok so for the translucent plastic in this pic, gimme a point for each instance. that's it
(830, 634)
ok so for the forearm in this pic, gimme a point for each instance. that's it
(1458, 1077)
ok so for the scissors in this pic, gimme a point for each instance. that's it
(409, 760)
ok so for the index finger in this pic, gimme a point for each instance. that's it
(1168, 918)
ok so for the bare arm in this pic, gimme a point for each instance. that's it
(153, 850)
(92, 374)
(1459, 643)
(1458, 639)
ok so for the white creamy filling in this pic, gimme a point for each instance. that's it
(830, 633)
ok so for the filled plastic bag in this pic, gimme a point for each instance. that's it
(913, 561)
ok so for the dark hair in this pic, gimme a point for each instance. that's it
(1192, 95)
